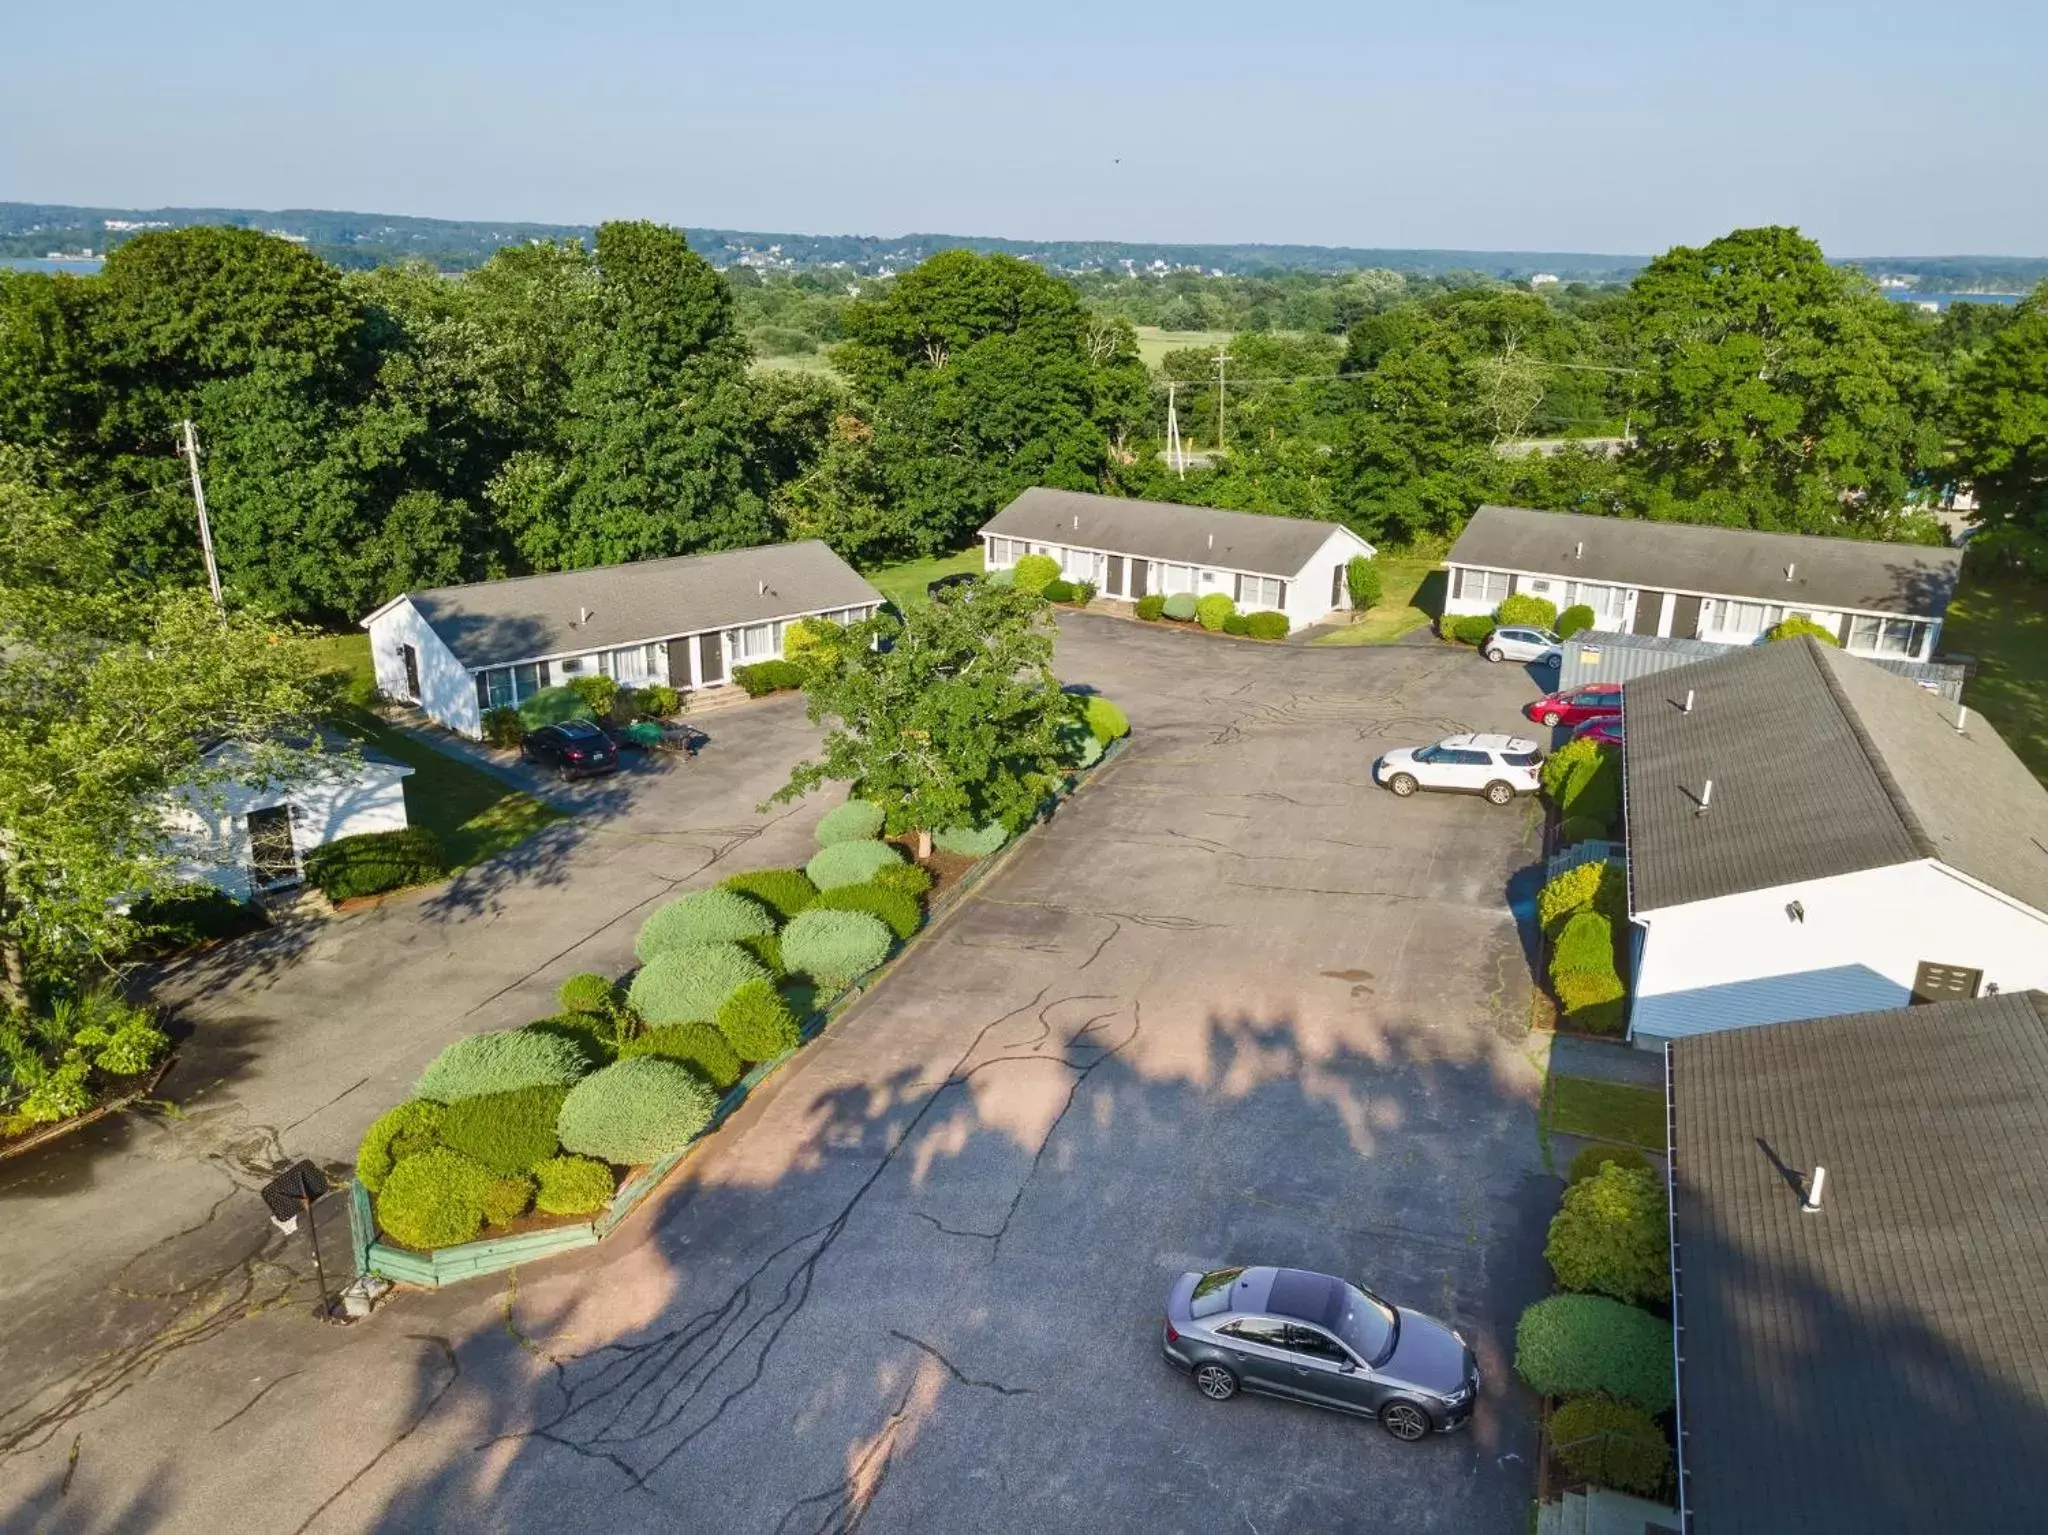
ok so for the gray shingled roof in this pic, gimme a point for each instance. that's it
(493, 623)
(1828, 573)
(1163, 530)
(1822, 765)
(1881, 1364)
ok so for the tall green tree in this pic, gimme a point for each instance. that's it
(2001, 423)
(945, 715)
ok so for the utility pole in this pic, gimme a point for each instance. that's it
(1222, 360)
(190, 448)
(1174, 453)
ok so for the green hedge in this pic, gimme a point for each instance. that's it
(1180, 607)
(572, 1186)
(405, 1131)
(765, 677)
(696, 1045)
(1035, 572)
(1526, 610)
(1585, 946)
(1596, 1156)
(585, 993)
(757, 1023)
(501, 1061)
(1576, 619)
(687, 984)
(1472, 629)
(1058, 591)
(1267, 625)
(850, 863)
(1213, 609)
(193, 913)
(658, 701)
(767, 948)
(1362, 582)
(635, 1111)
(783, 891)
(1592, 1000)
(594, 1035)
(1239, 624)
(854, 821)
(1612, 1235)
(902, 913)
(909, 879)
(375, 861)
(1105, 720)
(503, 727)
(506, 1132)
(1611, 1442)
(551, 706)
(716, 915)
(1569, 1345)
(971, 841)
(835, 948)
(1601, 887)
(440, 1198)
(1151, 606)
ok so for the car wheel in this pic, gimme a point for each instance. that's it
(1402, 784)
(1495, 653)
(1498, 793)
(1550, 718)
(1215, 1382)
(1405, 1421)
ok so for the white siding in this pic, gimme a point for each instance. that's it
(1742, 959)
(447, 689)
(208, 834)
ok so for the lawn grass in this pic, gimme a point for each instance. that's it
(1400, 610)
(2003, 622)
(348, 653)
(801, 362)
(1607, 1111)
(904, 584)
(1154, 343)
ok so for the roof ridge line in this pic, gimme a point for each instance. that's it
(592, 570)
(1908, 817)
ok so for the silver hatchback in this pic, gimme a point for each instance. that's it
(1291, 1333)
(1519, 644)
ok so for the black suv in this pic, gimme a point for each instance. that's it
(572, 748)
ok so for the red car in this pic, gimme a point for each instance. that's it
(1604, 731)
(1595, 700)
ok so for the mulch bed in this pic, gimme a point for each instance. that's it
(946, 869)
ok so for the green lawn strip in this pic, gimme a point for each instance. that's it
(1607, 1111)
(1401, 609)
(475, 815)
(2003, 622)
(348, 653)
(904, 584)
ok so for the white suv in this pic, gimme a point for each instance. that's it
(1497, 766)
(1519, 644)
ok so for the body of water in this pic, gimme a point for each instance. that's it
(1943, 300)
(44, 264)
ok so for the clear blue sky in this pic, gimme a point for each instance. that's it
(1878, 127)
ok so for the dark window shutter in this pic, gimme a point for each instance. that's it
(1842, 634)
(1282, 603)
(1237, 589)
(1514, 585)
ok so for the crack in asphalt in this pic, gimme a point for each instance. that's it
(259, 1396)
(844, 1505)
(960, 1375)
(426, 1410)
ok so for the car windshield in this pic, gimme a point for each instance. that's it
(1547, 637)
(1426, 753)
(1212, 1292)
(1369, 1325)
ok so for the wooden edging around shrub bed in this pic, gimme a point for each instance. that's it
(473, 1260)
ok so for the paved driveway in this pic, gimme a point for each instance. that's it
(1233, 1003)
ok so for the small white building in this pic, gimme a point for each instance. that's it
(1809, 834)
(1695, 581)
(1131, 549)
(457, 651)
(247, 837)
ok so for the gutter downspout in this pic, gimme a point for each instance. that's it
(1677, 1303)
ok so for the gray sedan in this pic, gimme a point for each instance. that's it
(1288, 1332)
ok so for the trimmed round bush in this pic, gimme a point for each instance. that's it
(1058, 591)
(503, 727)
(1084, 593)
(804, 639)
(1239, 624)
(1078, 745)
(1105, 719)
(765, 677)
(1035, 572)
(687, 984)
(1570, 1345)
(849, 863)
(506, 1132)
(1592, 1158)
(372, 862)
(1572, 891)
(757, 1023)
(658, 701)
(834, 948)
(696, 1045)
(1527, 610)
(910, 879)
(551, 706)
(405, 1131)
(1213, 609)
(716, 915)
(585, 993)
(1585, 945)
(1003, 577)
(1151, 606)
(1592, 1001)
(1613, 1443)
(971, 841)
(901, 913)
(783, 891)
(1469, 630)
(572, 1186)
(598, 691)
(501, 1061)
(855, 821)
(506, 1199)
(435, 1199)
(1611, 1236)
(635, 1111)
(1180, 607)
(1362, 582)
(1267, 625)
(767, 948)
(1576, 619)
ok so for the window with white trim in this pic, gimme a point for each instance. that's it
(1886, 636)
(506, 687)
(1002, 552)
(1743, 619)
(1179, 578)
(1605, 601)
(1256, 593)
(1487, 586)
(757, 642)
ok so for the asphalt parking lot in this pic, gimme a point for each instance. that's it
(1234, 1003)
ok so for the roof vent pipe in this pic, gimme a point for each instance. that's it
(1077, 522)
(1580, 552)
(763, 585)
(1962, 717)
(582, 617)
(1687, 709)
(1816, 1186)
(1789, 569)
(1212, 540)
(1706, 795)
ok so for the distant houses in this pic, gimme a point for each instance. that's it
(458, 651)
